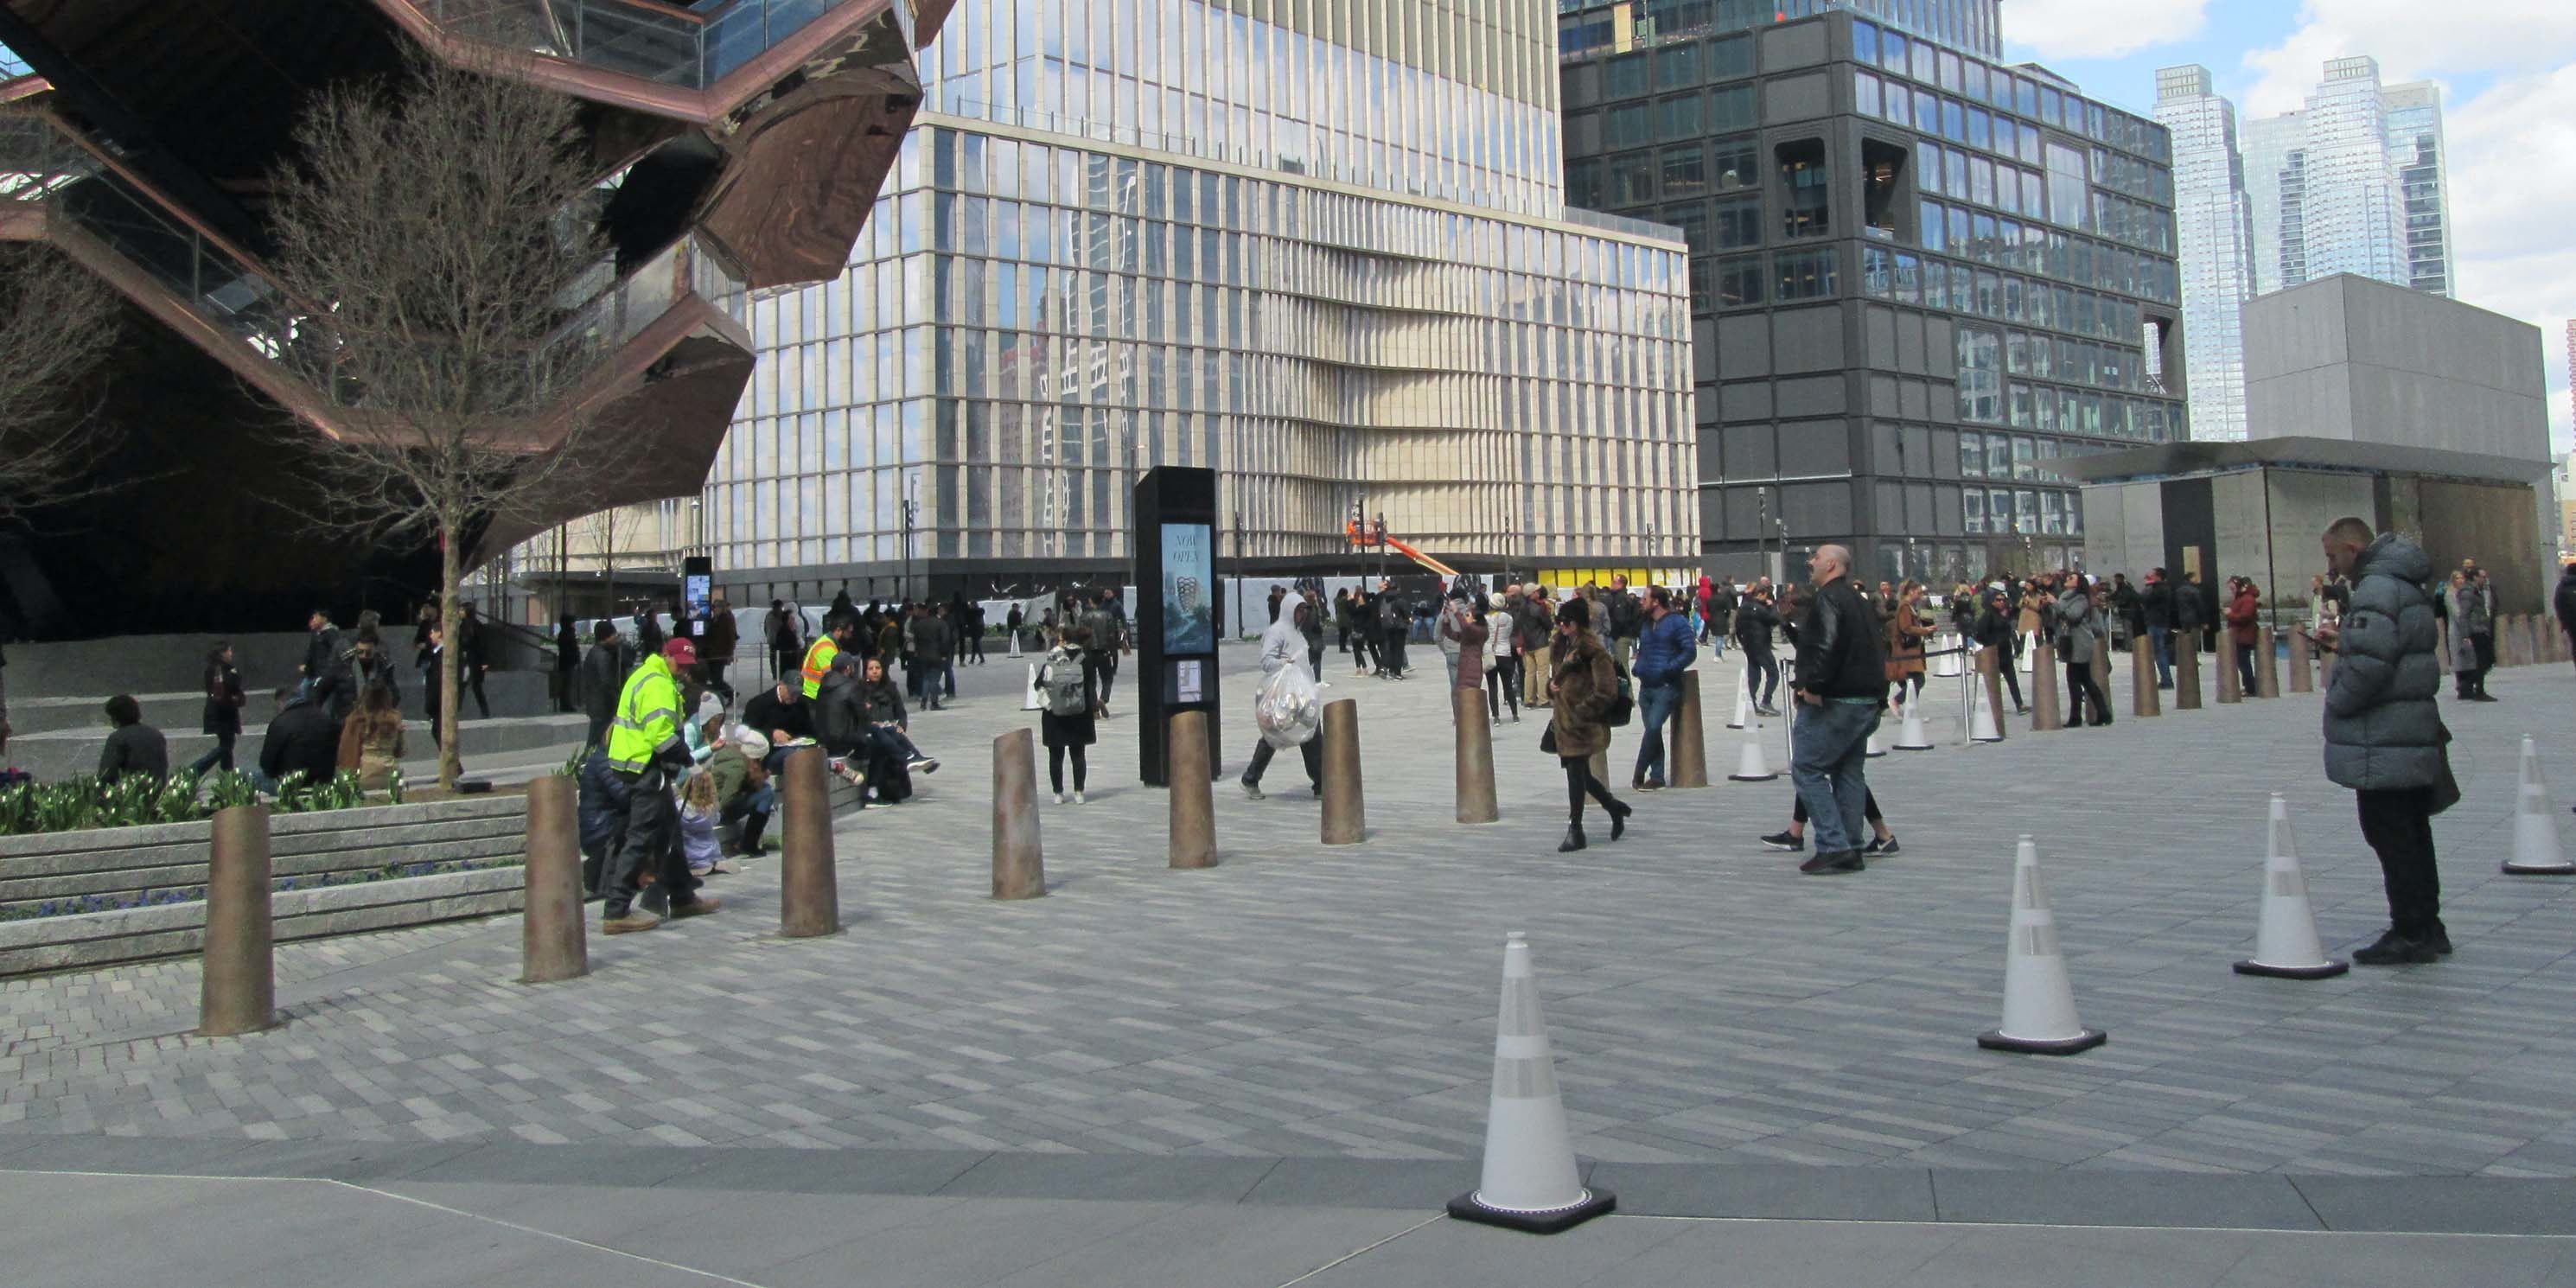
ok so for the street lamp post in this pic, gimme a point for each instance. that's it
(911, 514)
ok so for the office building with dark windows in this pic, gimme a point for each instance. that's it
(1918, 277)
(1322, 248)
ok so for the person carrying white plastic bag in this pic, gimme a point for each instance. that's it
(1287, 706)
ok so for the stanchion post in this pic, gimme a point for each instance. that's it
(1345, 807)
(1476, 800)
(1019, 852)
(553, 943)
(2043, 687)
(809, 883)
(1689, 741)
(2144, 698)
(239, 977)
(1990, 666)
(1192, 821)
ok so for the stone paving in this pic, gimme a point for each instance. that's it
(1708, 1005)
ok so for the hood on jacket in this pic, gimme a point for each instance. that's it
(1281, 639)
(2393, 555)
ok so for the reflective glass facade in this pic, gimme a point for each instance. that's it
(1917, 279)
(1617, 26)
(2215, 232)
(1058, 293)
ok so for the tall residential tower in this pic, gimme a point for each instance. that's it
(2353, 182)
(2214, 229)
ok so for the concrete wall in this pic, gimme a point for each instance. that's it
(2301, 505)
(2365, 361)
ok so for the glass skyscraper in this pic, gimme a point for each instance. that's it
(1919, 278)
(1319, 245)
(2353, 182)
(1971, 26)
(2212, 224)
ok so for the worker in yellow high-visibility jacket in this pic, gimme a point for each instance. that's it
(648, 753)
(827, 646)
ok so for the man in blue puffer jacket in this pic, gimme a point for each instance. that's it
(2384, 735)
(1664, 650)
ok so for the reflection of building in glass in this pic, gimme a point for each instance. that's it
(2216, 240)
(1919, 278)
(1326, 254)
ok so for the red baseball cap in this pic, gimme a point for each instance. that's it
(680, 653)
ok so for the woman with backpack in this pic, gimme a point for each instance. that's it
(1066, 725)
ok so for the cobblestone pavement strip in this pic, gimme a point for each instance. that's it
(1707, 1003)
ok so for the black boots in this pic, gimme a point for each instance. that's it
(1573, 839)
(1619, 813)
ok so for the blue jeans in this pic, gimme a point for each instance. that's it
(1828, 756)
(2161, 638)
(1656, 704)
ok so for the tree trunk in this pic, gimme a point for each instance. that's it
(450, 573)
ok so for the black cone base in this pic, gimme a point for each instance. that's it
(2512, 869)
(1595, 1203)
(2085, 1041)
(1902, 747)
(2327, 971)
(1746, 778)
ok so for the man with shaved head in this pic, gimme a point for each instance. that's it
(1841, 688)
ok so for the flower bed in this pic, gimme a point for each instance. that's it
(105, 895)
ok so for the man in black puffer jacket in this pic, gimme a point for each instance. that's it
(1841, 686)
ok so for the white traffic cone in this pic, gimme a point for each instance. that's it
(1529, 1181)
(1032, 699)
(1912, 736)
(1981, 722)
(1015, 644)
(1749, 765)
(1946, 666)
(2039, 1001)
(1877, 741)
(2286, 945)
(2029, 647)
(1743, 705)
(2536, 851)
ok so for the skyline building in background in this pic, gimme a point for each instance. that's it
(1321, 248)
(2214, 232)
(1919, 278)
(2353, 182)
(1617, 26)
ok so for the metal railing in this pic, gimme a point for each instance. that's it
(691, 49)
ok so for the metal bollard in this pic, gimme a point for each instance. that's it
(2144, 698)
(2267, 666)
(2302, 679)
(1689, 742)
(2102, 671)
(553, 942)
(1019, 854)
(1990, 665)
(2187, 670)
(2043, 688)
(2229, 688)
(809, 883)
(1476, 799)
(1345, 809)
(1193, 802)
(239, 975)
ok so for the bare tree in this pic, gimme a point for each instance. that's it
(445, 219)
(605, 532)
(57, 322)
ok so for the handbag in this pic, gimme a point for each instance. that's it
(1623, 706)
(1547, 739)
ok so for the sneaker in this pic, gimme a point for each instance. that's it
(1834, 864)
(1881, 849)
(635, 919)
(698, 907)
(1772, 712)
(926, 764)
(1790, 841)
(1650, 785)
(2394, 949)
(1250, 788)
(1059, 798)
(1077, 798)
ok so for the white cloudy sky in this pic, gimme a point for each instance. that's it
(2508, 69)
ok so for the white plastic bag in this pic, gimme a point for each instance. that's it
(1288, 707)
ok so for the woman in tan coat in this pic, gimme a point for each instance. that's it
(371, 740)
(1906, 631)
(1584, 686)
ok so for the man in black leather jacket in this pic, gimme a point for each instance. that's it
(1841, 686)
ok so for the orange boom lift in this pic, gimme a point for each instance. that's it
(1361, 537)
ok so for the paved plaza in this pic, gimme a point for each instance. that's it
(1732, 1038)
